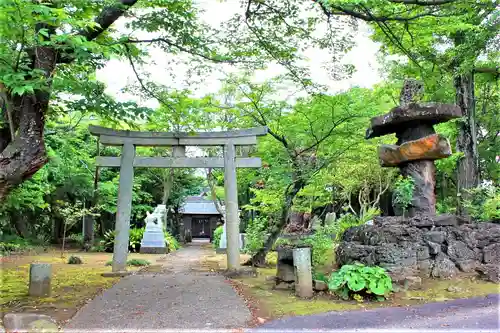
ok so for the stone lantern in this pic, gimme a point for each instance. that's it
(418, 145)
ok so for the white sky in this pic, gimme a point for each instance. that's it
(118, 74)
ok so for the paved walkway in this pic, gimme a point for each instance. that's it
(474, 315)
(181, 296)
(184, 296)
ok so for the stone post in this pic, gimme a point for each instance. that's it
(40, 280)
(124, 207)
(232, 218)
(303, 272)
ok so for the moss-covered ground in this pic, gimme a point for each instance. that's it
(72, 285)
(275, 303)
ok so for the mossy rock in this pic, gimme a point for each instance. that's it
(74, 260)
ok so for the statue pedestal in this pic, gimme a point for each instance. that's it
(223, 241)
(153, 240)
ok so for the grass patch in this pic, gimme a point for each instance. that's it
(278, 303)
(72, 285)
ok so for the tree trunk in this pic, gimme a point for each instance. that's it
(259, 258)
(19, 223)
(468, 165)
(168, 181)
(24, 154)
(211, 184)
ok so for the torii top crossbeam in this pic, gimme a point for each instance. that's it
(240, 137)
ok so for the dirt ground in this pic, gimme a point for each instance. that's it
(72, 285)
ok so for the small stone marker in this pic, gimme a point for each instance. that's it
(40, 278)
(303, 274)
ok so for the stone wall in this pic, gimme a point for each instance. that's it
(438, 247)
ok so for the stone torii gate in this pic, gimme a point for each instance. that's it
(128, 140)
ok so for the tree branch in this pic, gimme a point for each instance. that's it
(368, 17)
(424, 2)
(186, 50)
(104, 20)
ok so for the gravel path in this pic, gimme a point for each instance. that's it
(177, 298)
(475, 314)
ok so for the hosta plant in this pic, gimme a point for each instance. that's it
(357, 280)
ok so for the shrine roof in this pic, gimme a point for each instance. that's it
(199, 205)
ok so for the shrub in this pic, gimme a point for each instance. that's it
(74, 260)
(109, 240)
(14, 243)
(75, 238)
(281, 242)
(135, 238)
(217, 236)
(171, 242)
(132, 262)
(138, 262)
(6, 248)
(346, 221)
(255, 235)
(484, 204)
(322, 246)
(358, 281)
(403, 192)
(100, 247)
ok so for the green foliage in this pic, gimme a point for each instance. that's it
(403, 192)
(322, 246)
(320, 277)
(132, 262)
(484, 204)
(14, 243)
(77, 238)
(74, 260)
(109, 240)
(281, 242)
(98, 248)
(358, 281)
(217, 236)
(255, 234)
(135, 238)
(7, 248)
(171, 242)
(138, 262)
(346, 221)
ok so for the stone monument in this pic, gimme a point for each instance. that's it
(223, 241)
(40, 280)
(421, 245)
(303, 272)
(418, 145)
(153, 240)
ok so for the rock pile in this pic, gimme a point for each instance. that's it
(424, 246)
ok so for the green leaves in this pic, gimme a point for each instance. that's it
(358, 280)
(403, 192)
